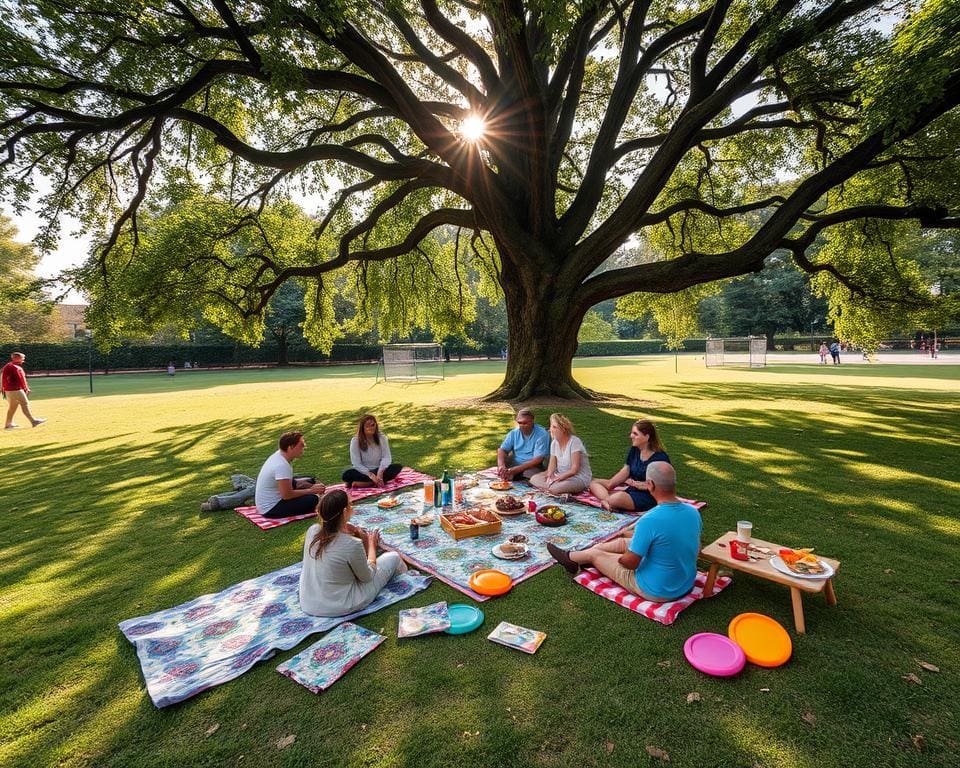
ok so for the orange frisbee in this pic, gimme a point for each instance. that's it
(764, 641)
(490, 582)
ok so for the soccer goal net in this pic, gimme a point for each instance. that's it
(748, 351)
(412, 362)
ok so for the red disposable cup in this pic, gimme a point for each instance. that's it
(531, 505)
(739, 550)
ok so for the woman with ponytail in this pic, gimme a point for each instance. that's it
(341, 571)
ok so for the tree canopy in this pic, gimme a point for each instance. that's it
(26, 314)
(541, 139)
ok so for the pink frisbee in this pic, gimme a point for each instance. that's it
(714, 654)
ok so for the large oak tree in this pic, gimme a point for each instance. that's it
(709, 134)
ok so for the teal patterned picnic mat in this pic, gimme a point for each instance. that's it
(454, 561)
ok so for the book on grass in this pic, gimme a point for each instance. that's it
(424, 621)
(521, 638)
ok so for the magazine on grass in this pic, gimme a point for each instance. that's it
(521, 638)
(424, 621)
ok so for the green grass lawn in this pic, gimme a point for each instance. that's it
(100, 523)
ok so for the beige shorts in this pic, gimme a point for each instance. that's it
(627, 577)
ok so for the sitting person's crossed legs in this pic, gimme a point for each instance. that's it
(659, 562)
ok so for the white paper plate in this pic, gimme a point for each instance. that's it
(498, 552)
(777, 562)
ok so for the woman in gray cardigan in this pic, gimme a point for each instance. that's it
(341, 571)
(370, 456)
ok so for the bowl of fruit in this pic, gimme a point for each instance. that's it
(551, 515)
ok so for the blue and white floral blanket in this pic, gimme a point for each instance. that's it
(217, 637)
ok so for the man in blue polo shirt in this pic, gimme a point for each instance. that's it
(660, 561)
(524, 450)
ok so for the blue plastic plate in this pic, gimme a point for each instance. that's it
(463, 618)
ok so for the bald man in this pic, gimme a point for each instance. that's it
(660, 561)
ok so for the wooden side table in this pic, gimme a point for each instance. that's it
(718, 554)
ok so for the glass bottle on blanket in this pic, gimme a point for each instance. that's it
(446, 489)
(458, 489)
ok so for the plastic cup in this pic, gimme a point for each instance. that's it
(739, 550)
(744, 530)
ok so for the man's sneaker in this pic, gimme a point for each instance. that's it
(11, 426)
(38, 422)
(210, 505)
(242, 481)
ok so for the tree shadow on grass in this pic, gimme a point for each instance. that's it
(946, 371)
(110, 551)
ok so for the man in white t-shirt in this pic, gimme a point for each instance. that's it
(277, 494)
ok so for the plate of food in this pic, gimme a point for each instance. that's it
(551, 515)
(480, 494)
(389, 503)
(509, 550)
(801, 564)
(423, 519)
(501, 485)
(510, 505)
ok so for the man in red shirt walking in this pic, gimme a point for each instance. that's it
(15, 389)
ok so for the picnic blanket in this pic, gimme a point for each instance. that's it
(665, 613)
(406, 477)
(454, 561)
(585, 497)
(217, 637)
(327, 660)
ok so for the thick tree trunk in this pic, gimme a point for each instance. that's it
(283, 357)
(542, 340)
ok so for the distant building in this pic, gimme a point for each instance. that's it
(71, 321)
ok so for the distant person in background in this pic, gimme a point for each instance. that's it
(171, 369)
(835, 352)
(823, 353)
(370, 456)
(15, 390)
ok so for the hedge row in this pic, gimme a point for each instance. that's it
(76, 356)
(634, 347)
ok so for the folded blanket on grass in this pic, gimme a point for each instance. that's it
(327, 660)
(406, 477)
(585, 497)
(217, 637)
(665, 613)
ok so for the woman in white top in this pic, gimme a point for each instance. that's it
(569, 467)
(370, 457)
(341, 571)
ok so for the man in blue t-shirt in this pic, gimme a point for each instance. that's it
(660, 561)
(524, 450)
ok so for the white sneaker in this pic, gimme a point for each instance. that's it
(11, 426)
(38, 422)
